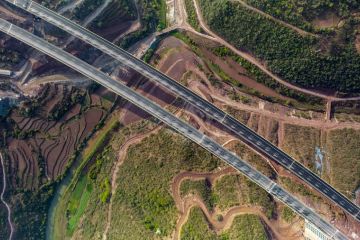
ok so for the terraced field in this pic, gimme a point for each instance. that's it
(40, 147)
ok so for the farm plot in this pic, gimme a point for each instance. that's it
(48, 130)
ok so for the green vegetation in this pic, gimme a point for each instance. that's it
(227, 192)
(349, 108)
(117, 9)
(287, 54)
(96, 172)
(143, 184)
(258, 196)
(31, 212)
(244, 227)
(302, 101)
(299, 188)
(85, 8)
(200, 187)
(301, 142)
(9, 57)
(342, 149)
(162, 15)
(254, 159)
(80, 196)
(91, 205)
(106, 191)
(188, 41)
(287, 214)
(30, 207)
(148, 55)
(299, 13)
(67, 102)
(5, 229)
(192, 16)
(82, 192)
(77, 203)
(94, 147)
(196, 228)
(152, 18)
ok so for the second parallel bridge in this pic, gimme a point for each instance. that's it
(244, 133)
(174, 122)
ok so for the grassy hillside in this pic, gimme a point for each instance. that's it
(300, 13)
(152, 18)
(143, 195)
(294, 58)
(244, 227)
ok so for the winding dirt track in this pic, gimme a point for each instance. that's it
(257, 63)
(285, 24)
(121, 157)
(2, 197)
(326, 125)
(185, 205)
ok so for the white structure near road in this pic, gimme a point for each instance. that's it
(314, 233)
(4, 72)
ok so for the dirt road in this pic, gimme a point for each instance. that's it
(185, 205)
(121, 157)
(2, 198)
(285, 24)
(257, 63)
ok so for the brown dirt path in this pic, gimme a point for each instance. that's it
(258, 63)
(278, 116)
(296, 29)
(185, 204)
(121, 157)
(2, 197)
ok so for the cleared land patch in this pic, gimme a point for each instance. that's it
(301, 142)
(344, 153)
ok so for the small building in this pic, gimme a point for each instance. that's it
(314, 233)
(4, 72)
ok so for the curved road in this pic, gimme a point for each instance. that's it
(257, 63)
(184, 205)
(2, 197)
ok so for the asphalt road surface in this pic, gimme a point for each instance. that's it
(244, 133)
(172, 121)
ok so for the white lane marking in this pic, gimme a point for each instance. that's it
(291, 164)
(357, 215)
(272, 185)
(222, 120)
(202, 138)
(31, 2)
(332, 237)
(8, 31)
